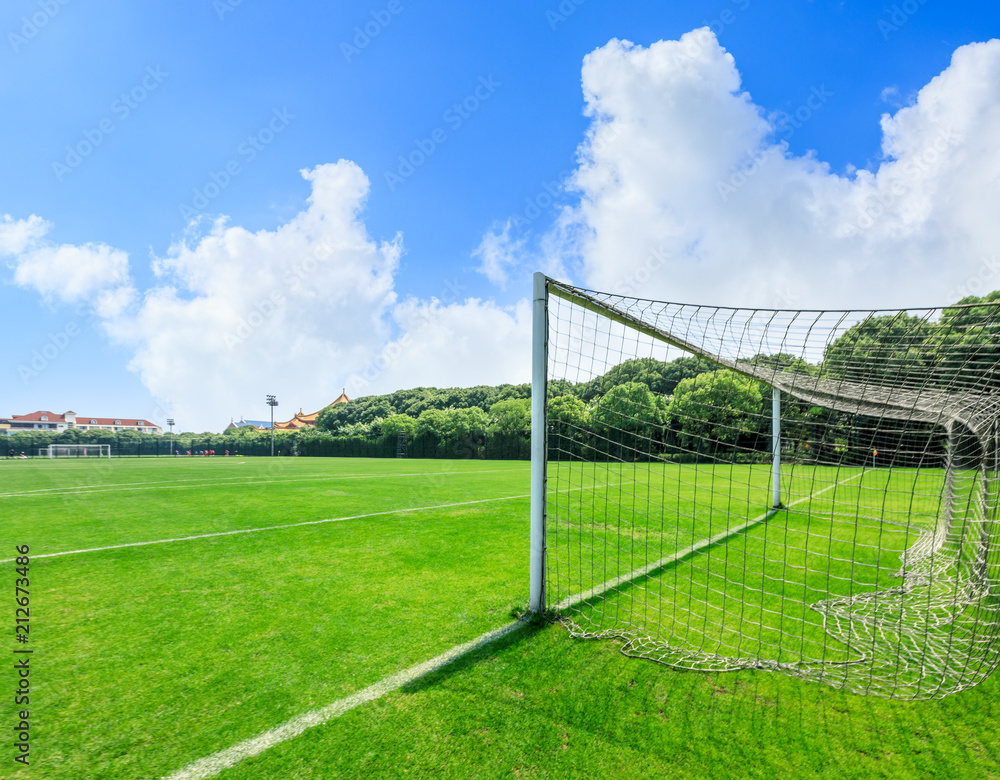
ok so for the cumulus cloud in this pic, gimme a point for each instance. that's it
(697, 197)
(456, 344)
(300, 311)
(289, 311)
(62, 272)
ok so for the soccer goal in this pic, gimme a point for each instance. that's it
(807, 492)
(76, 451)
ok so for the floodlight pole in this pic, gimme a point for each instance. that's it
(170, 422)
(539, 374)
(272, 402)
(776, 447)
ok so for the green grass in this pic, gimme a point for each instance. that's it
(150, 657)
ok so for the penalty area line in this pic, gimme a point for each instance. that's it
(212, 765)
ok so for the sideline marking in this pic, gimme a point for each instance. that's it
(224, 759)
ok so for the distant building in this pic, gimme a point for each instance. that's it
(49, 421)
(300, 420)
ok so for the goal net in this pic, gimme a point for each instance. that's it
(808, 492)
(77, 451)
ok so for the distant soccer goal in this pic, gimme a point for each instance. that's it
(76, 451)
(807, 492)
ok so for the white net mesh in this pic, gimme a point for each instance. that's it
(77, 451)
(878, 572)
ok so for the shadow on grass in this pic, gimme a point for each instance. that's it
(468, 661)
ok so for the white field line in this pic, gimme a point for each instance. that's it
(271, 527)
(224, 759)
(722, 536)
(171, 484)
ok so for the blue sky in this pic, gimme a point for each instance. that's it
(189, 87)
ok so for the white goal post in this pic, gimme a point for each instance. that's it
(76, 451)
(815, 493)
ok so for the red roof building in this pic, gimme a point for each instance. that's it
(50, 421)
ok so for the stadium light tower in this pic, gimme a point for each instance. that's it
(170, 422)
(272, 402)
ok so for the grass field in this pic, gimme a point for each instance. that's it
(152, 656)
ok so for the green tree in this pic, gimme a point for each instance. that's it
(891, 350)
(718, 407)
(395, 424)
(568, 412)
(659, 377)
(460, 424)
(432, 424)
(967, 344)
(512, 417)
(628, 407)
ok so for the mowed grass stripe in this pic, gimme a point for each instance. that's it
(158, 656)
(79, 522)
(218, 762)
(292, 525)
(272, 527)
(207, 482)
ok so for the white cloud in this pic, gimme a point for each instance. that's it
(16, 235)
(72, 273)
(291, 311)
(451, 345)
(498, 253)
(61, 272)
(300, 311)
(696, 197)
